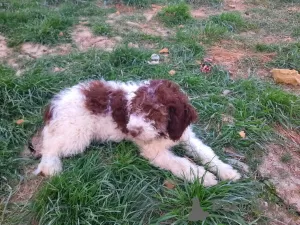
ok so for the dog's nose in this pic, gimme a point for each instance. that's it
(135, 131)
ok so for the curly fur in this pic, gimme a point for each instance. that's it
(156, 115)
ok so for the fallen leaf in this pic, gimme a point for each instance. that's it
(169, 184)
(61, 34)
(58, 69)
(20, 121)
(205, 68)
(242, 134)
(172, 72)
(227, 119)
(164, 51)
(181, 26)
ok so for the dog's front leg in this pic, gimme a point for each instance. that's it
(197, 149)
(159, 155)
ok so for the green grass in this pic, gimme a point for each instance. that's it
(111, 183)
(175, 14)
(288, 55)
(102, 29)
(30, 21)
(115, 178)
(286, 157)
(232, 21)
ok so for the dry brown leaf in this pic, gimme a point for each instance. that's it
(164, 51)
(20, 121)
(172, 72)
(242, 134)
(169, 184)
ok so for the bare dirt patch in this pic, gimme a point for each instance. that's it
(28, 187)
(152, 28)
(278, 215)
(37, 50)
(4, 50)
(149, 14)
(85, 39)
(234, 58)
(239, 5)
(284, 174)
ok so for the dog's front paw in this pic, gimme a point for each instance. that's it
(49, 166)
(226, 172)
(209, 179)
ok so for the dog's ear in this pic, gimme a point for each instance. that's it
(180, 117)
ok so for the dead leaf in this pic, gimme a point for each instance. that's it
(205, 68)
(231, 153)
(164, 51)
(61, 34)
(169, 184)
(58, 69)
(181, 26)
(20, 121)
(227, 119)
(242, 134)
(286, 76)
(172, 72)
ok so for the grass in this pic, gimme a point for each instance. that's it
(99, 191)
(117, 186)
(285, 158)
(287, 55)
(175, 14)
(29, 21)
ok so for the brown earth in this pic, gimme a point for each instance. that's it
(85, 39)
(234, 59)
(285, 175)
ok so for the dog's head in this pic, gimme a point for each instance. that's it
(160, 109)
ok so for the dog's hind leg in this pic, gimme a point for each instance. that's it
(61, 139)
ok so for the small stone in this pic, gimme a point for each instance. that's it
(226, 92)
(172, 72)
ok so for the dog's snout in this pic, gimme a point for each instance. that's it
(135, 131)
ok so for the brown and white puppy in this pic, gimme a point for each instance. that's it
(155, 115)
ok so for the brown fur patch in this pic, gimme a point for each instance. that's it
(97, 97)
(48, 113)
(119, 109)
(100, 98)
(164, 103)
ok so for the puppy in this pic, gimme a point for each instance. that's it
(156, 115)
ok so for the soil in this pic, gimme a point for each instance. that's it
(28, 187)
(85, 39)
(284, 174)
(234, 59)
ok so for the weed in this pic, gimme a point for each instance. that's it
(232, 21)
(102, 29)
(175, 14)
(205, 2)
(286, 157)
(138, 3)
(288, 56)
